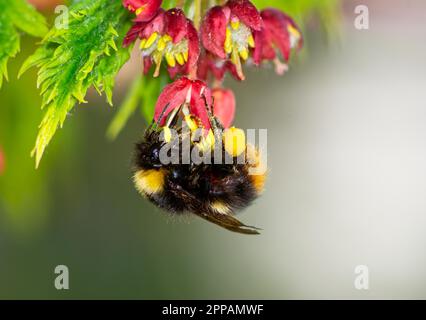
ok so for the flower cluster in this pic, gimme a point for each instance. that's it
(228, 37)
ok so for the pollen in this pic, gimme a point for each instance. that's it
(192, 125)
(234, 140)
(149, 181)
(235, 24)
(167, 134)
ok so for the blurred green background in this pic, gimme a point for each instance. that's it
(346, 152)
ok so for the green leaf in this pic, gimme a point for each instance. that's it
(70, 61)
(14, 15)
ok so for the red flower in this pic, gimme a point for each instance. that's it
(210, 65)
(227, 31)
(194, 94)
(145, 9)
(168, 35)
(279, 35)
(2, 161)
(224, 106)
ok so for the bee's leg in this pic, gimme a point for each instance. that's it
(154, 124)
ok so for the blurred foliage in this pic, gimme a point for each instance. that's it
(143, 93)
(14, 15)
(71, 60)
(25, 193)
(328, 11)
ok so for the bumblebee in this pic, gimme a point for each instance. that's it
(212, 191)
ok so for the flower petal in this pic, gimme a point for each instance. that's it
(133, 33)
(246, 12)
(201, 95)
(193, 45)
(213, 31)
(145, 9)
(173, 95)
(224, 106)
(275, 33)
(176, 24)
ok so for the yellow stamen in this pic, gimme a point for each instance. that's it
(191, 123)
(170, 59)
(180, 59)
(234, 140)
(293, 31)
(235, 58)
(143, 42)
(244, 54)
(158, 58)
(210, 139)
(250, 41)
(167, 134)
(139, 11)
(186, 56)
(228, 41)
(151, 40)
(161, 44)
(235, 24)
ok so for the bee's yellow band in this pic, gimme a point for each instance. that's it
(149, 181)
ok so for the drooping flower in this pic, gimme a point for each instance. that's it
(227, 31)
(191, 94)
(145, 9)
(210, 66)
(170, 36)
(224, 106)
(278, 36)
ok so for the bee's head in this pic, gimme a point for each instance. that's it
(148, 155)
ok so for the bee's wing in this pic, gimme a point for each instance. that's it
(228, 222)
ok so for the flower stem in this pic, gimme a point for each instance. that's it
(180, 3)
(197, 16)
(197, 24)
